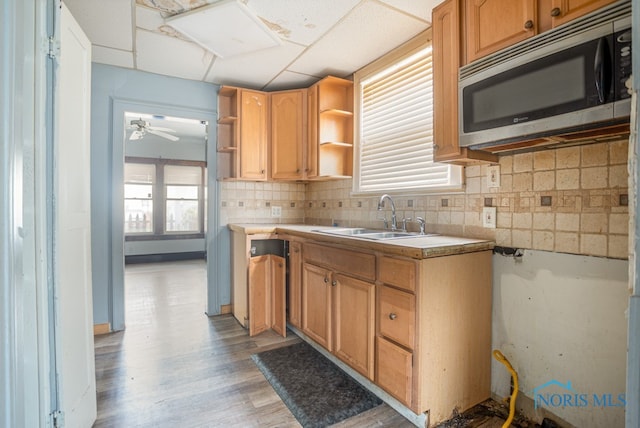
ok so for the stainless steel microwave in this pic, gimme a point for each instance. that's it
(567, 79)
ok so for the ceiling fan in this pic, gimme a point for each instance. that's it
(141, 127)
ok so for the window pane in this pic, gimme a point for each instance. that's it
(138, 191)
(179, 174)
(138, 216)
(182, 192)
(182, 216)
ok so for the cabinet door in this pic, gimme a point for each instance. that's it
(259, 294)
(278, 314)
(397, 313)
(565, 10)
(316, 304)
(394, 372)
(446, 48)
(311, 162)
(494, 24)
(253, 135)
(295, 283)
(287, 137)
(354, 312)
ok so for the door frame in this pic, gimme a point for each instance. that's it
(212, 242)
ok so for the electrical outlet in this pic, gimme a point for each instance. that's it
(493, 176)
(489, 217)
(276, 211)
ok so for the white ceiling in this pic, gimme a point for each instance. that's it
(319, 37)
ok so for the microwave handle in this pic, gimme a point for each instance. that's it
(601, 68)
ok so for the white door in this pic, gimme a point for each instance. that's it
(75, 363)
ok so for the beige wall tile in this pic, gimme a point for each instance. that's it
(503, 219)
(618, 176)
(521, 238)
(506, 164)
(618, 152)
(594, 222)
(595, 154)
(522, 182)
(543, 240)
(544, 180)
(522, 220)
(544, 160)
(618, 246)
(568, 157)
(523, 162)
(619, 223)
(568, 222)
(594, 245)
(567, 179)
(473, 171)
(567, 242)
(544, 221)
(503, 237)
(594, 178)
(473, 185)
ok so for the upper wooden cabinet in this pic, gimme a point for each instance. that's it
(331, 127)
(288, 114)
(242, 133)
(494, 24)
(491, 25)
(446, 61)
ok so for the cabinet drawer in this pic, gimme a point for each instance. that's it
(354, 263)
(398, 272)
(394, 370)
(397, 315)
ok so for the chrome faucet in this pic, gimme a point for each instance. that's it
(394, 223)
(422, 223)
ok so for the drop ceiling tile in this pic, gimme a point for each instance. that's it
(106, 23)
(253, 70)
(301, 21)
(110, 56)
(368, 32)
(170, 56)
(290, 80)
(420, 8)
(148, 19)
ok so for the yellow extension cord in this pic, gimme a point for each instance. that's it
(512, 402)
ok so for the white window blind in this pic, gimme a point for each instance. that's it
(396, 135)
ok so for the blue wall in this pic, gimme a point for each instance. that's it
(114, 89)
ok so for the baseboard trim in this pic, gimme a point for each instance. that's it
(166, 257)
(225, 309)
(101, 329)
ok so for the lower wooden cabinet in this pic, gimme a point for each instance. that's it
(394, 370)
(267, 295)
(294, 289)
(316, 304)
(338, 309)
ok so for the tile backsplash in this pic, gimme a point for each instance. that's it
(569, 200)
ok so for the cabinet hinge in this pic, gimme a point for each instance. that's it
(57, 419)
(54, 48)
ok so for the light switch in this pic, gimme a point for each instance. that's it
(489, 217)
(493, 176)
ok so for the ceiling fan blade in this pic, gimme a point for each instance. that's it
(160, 128)
(162, 134)
(136, 135)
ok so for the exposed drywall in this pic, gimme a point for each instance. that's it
(560, 317)
(142, 92)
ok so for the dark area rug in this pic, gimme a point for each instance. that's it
(316, 391)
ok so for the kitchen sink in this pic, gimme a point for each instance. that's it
(373, 234)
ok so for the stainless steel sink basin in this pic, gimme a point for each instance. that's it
(374, 234)
(347, 231)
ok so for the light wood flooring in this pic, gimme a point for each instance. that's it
(175, 367)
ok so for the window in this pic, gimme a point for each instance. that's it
(139, 179)
(164, 199)
(394, 137)
(182, 185)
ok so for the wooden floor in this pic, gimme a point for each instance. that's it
(175, 367)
